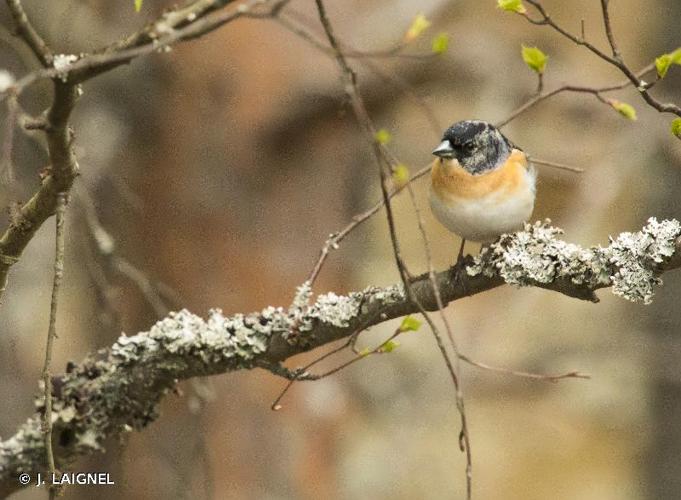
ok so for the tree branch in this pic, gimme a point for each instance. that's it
(615, 60)
(183, 24)
(29, 34)
(63, 167)
(117, 390)
(59, 177)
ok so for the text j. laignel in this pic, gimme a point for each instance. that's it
(77, 478)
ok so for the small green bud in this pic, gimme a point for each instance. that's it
(410, 324)
(626, 110)
(440, 43)
(676, 127)
(512, 6)
(534, 58)
(383, 137)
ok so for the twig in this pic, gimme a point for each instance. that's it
(166, 31)
(452, 366)
(61, 175)
(596, 91)
(6, 160)
(106, 248)
(553, 164)
(615, 60)
(362, 115)
(379, 349)
(301, 374)
(520, 373)
(608, 30)
(29, 34)
(358, 219)
(540, 83)
(63, 165)
(394, 79)
(52, 335)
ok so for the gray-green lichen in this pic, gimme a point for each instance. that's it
(331, 309)
(630, 263)
(218, 339)
(115, 391)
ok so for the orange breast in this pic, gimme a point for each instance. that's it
(450, 180)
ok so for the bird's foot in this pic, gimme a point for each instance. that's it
(460, 268)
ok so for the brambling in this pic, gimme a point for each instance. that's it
(482, 184)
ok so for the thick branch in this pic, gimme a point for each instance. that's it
(116, 390)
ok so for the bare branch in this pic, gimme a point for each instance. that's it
(608, 30)
(186, 23)
(519, 373)
(556, 165)
(58, 179)
(52, 335)
(29, 34)
(595, 91)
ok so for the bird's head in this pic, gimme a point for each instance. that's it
(476, 145)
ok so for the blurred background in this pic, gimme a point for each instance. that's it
(211, 176)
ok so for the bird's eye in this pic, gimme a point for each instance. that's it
(468, 147)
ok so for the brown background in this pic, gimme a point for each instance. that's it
(221, 167)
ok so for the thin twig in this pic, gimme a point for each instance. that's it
(596, 91)
(157, 36)
(382, 160)
(6, 160)
(540, 83)
(520, 373)
(29, 34)
(52, 335)
(615, 60)
(336, 238)
(608, 30)
(453, 366)
(553, 164)
(301, 374)
(296, 28)
(106, 248)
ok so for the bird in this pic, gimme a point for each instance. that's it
(482, 185)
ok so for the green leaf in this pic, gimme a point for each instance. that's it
(383, 137)
(440, 43)
(534, 58)
(675, 56)
(400, 174)
(410, 324)
(626, 110)
(662, 64)
(138, 5)
(390, 346)
(676, 127)
(418, 26)
(512, 6)
(365, 352)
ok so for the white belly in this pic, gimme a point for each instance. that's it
(484, 219)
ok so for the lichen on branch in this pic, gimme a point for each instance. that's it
(116, 390)
(631, 264)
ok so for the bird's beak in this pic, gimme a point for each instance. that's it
(444, 150)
